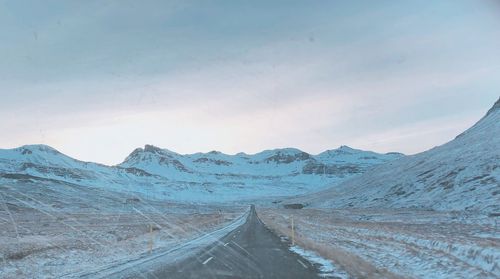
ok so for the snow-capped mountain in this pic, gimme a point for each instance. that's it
(461, 174)
(211, 176)
(288, 163)
(45, 162)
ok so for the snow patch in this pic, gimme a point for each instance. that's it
(327, 268)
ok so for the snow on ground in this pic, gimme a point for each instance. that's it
(431, 215)
(50, 229)
(159, 257)
(463, 174)
(382, 243)
(161, 174)
(326, 267)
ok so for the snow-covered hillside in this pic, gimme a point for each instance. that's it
(278, 163)
(213, 176)
(463, 174)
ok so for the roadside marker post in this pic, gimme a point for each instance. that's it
(293, 233)
(151, 238)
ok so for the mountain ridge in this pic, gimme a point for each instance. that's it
(156, 149)
(200, 176)
(463, 174)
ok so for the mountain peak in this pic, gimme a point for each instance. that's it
(151, 148)
(488, 121)
(343, 149)
(149, 151)
(288, 150)
(30, 148)
(346, 148)
(285, 155)
(495, 107)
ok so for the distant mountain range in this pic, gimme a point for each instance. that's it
(463, 174)
(213, 176)
(277, 163)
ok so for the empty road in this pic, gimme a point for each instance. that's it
(250, 251)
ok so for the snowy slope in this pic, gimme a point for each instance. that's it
(288, 165)
(41, 162)
(213, 176)
(277, 162)
(461, 174)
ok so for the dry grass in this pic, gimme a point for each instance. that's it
(356, 266)
(37, 245)
(394, 244)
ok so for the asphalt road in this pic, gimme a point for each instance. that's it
(250, 251)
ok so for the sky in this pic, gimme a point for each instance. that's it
(97, 79)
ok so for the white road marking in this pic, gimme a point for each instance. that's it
(244, 250)
(226, 244)
(303, 264)
(207, 260)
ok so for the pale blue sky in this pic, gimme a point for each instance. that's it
(97, 79)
